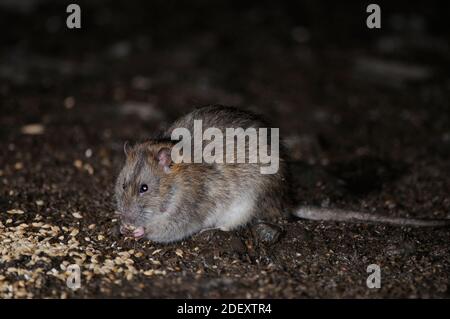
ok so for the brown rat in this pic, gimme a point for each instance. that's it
(166, 201)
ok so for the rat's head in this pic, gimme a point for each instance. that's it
(144, 189)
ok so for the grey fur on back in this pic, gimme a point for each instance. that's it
(227, 181)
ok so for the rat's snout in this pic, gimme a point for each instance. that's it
(128, 226)
(132, 231)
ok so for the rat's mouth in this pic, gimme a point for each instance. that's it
(131, 231)
(139, 232)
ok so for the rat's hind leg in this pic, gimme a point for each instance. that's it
(269, 211)
(267, 232)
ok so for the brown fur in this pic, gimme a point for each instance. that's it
(185, 198)
(179, 203)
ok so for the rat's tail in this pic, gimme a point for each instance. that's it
(340, 215)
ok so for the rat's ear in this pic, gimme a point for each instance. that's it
(126, 148)
(164, 159)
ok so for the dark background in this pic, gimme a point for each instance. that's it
(364, 113)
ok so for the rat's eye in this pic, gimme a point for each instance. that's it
(143, 188)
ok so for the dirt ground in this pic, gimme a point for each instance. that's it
(364, 113)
